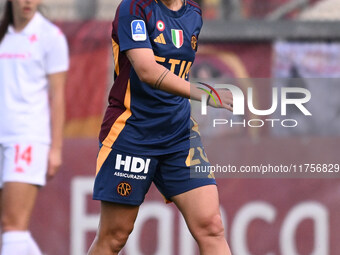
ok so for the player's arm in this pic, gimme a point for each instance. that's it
(57, 108)
(157, 76)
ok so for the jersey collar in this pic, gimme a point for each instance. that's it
(30, 27)
(171, 13)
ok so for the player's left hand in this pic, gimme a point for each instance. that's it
(54, 162)
(226, 98)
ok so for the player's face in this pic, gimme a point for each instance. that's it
(25, 9)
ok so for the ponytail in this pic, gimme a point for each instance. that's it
(7, 19)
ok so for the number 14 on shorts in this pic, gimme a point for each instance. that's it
(22, 158)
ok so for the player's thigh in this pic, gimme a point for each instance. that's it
(116, 220)
(18, 201)
(23, 170)
(200, 208)
(122, 180)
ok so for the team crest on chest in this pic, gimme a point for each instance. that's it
(177, 37)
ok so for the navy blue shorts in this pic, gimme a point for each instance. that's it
(126, 177)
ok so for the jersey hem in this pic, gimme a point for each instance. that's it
(32, 181)
(192, 187)
(130, 202)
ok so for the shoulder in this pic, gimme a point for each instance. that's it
(194, 6)
(135, 7)
(50, 36)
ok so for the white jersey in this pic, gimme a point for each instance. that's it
(26, 58)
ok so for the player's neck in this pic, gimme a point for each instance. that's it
(19, 23)
(173, 5)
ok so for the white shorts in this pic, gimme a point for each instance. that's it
(24, 162)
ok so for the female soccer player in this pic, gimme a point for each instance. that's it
(33, 65)
(145, 136)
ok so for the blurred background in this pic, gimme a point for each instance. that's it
(243, 40)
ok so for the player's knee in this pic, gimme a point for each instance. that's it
(209, 227)
(118, 241)
(117, 238)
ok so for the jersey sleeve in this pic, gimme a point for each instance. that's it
(57, 55)
(132, 29)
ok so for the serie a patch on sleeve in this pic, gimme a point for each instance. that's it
(138, 30)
